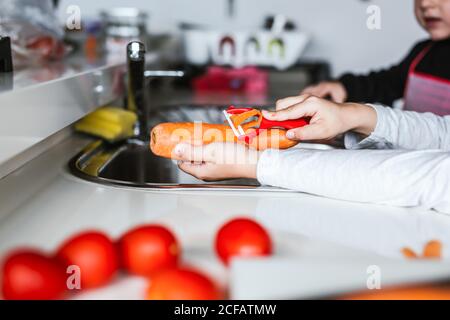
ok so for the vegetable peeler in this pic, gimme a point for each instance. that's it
(241, 119)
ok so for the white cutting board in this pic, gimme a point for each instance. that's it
(287, 278)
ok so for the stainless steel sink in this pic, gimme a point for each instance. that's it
(131, 163)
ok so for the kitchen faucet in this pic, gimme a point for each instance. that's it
(136, 97)
(136, 85)
(6, 65)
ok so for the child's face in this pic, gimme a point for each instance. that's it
(434, 16)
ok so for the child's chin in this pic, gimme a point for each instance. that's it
(438, 35)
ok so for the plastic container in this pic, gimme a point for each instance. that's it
(123, 25)
(243, 48)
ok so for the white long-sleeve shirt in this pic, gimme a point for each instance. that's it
(410, 166)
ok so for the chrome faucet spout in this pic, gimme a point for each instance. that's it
(136, 85)
(164, 73)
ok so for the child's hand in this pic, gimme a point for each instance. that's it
(328, 119)
(333, 89)
(218, 161)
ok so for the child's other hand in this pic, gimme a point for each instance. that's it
(328, 119)
(218, 161)
(333, 89)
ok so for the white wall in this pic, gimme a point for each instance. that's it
(338, 27)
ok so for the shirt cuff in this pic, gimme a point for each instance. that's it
(375, 140)
(268, 165)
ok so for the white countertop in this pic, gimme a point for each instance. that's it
(34, 112)
(10, 146)
(46, 99)
(41, 204)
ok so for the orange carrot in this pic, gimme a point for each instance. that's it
(425, 292)
(409, 253)
(165, 136)
(432, 249)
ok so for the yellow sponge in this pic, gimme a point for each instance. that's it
(109, 123)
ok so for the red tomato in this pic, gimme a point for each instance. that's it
(94, 253)
(182, 284)
(148, 249)
(30, 275)
(242, 237)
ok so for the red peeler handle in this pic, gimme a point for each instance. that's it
(234, 110)
(267, 124)
(287, 124)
